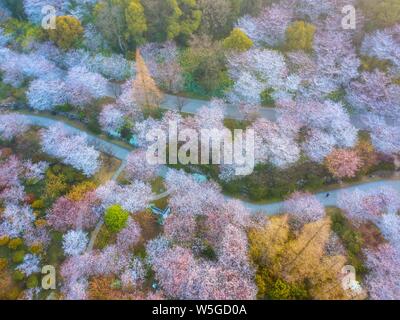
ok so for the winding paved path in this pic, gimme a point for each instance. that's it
(273, 208)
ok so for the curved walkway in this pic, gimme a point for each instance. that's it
(271, 208)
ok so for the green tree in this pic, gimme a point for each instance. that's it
(135, 21)
(300, 36)
(170, 19)
(380, 14)
(16, 7)
(68, 33)
(253, 7)
(238, 40)
(115, 218)
(204, 64)
(121, 22)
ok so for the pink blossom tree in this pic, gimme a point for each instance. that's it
(382, 281)
(71, 149)
(270, 26)
(383, 45)
(67, 214)
(83, 86)
(163, 64)
(273, 144)
(12, 125)
(303, 208)
(45, 95)
(134, 197)
(129, 236)
(111, 119)
(343, 163)
(75, 242)
(138, 168)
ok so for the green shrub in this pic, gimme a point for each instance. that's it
(3, 263)
(32, 282)
(4, 240)
(18, 275)
(38, 204)
(266, 98)
(351, 239)
(116, 218)
(18, 256)
(15, 243)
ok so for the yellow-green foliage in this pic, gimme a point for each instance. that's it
(115, 218)
(32, 282)
(68, 33)
(4, 240)
(18, 275)
(38, 204)
(238, 40)
(3, 263)
(18, 256)
(78, 192)
(300, 36)
(15, 243)
(36, 248)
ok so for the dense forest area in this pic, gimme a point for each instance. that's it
(83, 82)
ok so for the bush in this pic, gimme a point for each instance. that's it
(300, 36)
(237, 40)
(68, 33)
(4, 240)
(18, 275)
(351, 239)
(32, 282)
(18, 256)
(266, 98)
(3, 263)
(15, 243)
(36, 248)
(38, 204)
(78, 191)
(116, 218)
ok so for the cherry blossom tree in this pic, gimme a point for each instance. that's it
(362, 206)
(258, 69)
(113, 67)
(134, 275)
(162, 61)
(382, 281)
(17, 67)
(343, 163)
(71, 149)
(390, 228)
(133, 197)
(303, 208)
(138, 168)
(383, 45)
(270, 26)
(31, 264)
(12, 125)
(273, 144)
(327, 125)
(45, 95)
(66, 214)
(75, 242)
(180, 228)
(15, 220)
(83, 86)
(375, 93)
(33, 8)
(34, 171)
(111, 119)
(191, 197)
(129, 236)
